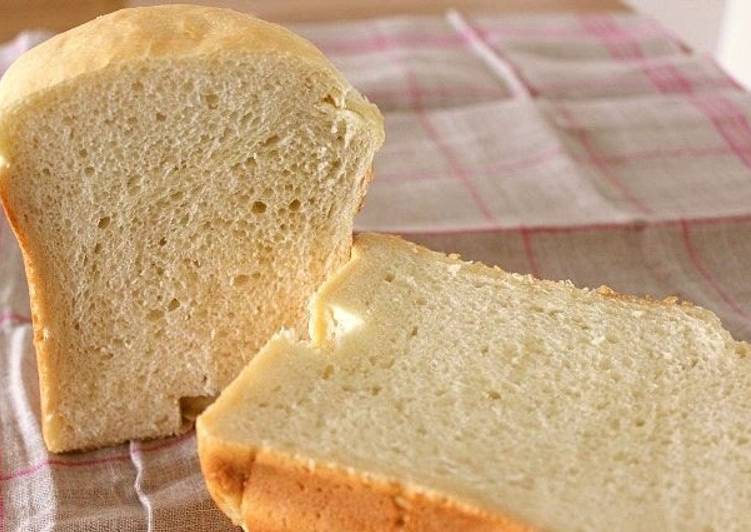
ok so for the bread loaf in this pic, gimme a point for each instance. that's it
(438, 394)
(180, 179)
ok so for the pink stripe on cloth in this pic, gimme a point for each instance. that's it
(513, 165)
(664, 75)
(455, 166)
(20, 473)
(12, 316)
(620, 43)
(641, 29)
(658, 76)
(595, 29)
(584, 139)
(57, 462)
(2, 494)
(705, 272)
(555, 152)
(668, 78)
(667, 153)
(730, 121)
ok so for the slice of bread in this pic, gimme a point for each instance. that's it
(180, 180)
(444, 395)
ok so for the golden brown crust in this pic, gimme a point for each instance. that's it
(156, 33)
(225, 469)
(47, 375)
(146, 33)
(268, 491)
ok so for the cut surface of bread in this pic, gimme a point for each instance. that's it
(180, 180)
(438, 394)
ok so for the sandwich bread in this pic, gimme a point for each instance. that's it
(180, 179)
(437, 394)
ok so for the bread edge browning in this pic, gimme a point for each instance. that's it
(39, 320)
(159, 33)
(268, 490)
(135, 34)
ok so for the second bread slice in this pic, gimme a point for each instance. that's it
(443, 395)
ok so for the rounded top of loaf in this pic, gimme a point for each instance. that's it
(158, 32)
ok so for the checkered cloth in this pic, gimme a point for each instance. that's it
(592, 148)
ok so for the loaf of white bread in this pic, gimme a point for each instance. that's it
(437, 394)
(180, 179)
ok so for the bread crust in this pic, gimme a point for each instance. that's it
(157, 33)
(266, 490)
(39, 313)
(141, 34)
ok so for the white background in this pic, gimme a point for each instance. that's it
(718, 27)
